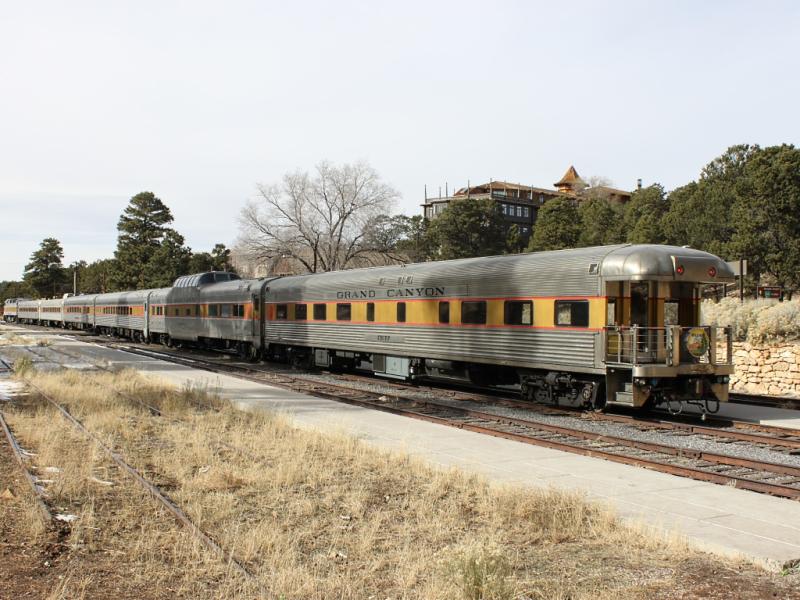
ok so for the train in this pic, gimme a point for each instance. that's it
(594, 327)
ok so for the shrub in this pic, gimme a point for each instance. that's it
(755, 321)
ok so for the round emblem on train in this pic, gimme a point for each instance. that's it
(696, 341)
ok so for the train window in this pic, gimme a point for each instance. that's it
(401, 312)
(320, 312)
(444, 312)
(301, 312)
(343, 311)
(282, 311)
(519, 312)
(611, 312)
(213, 310)
(572, 313)
(239, 310)
(188, 312)
(370, 311)
(225, 310)
(473, 313)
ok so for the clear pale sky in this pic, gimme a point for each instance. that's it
(199, 101)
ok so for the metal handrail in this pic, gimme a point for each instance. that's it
(670, 345)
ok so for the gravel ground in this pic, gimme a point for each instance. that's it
(49, 358)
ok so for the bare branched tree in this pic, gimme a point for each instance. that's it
(324, 221)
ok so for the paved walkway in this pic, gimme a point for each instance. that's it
(717, 518)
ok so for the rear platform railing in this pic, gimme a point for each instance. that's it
(671, 345)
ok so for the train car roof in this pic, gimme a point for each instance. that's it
(569, 269)
(670, 263)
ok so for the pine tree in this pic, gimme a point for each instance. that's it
(169, 261)
(44, 273)
(142, 228)
(469, 228)
(558, 225)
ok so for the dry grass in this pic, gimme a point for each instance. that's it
(319, 516)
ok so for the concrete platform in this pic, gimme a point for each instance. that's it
(720, 519)
(777, 417)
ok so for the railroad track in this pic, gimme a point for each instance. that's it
(772, 478)
(763, 476)
(779, 438)
(147, 485)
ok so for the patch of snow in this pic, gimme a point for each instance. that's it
(67, 518)
(9, 389)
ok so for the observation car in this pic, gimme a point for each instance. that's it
(613, 325)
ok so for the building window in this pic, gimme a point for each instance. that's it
(444, 312)
(526, 211)
(429, 212)
(504, 208)
(524, 230)
(473, 313)
(519, 312)
(301, 312)
(320, 312)
(370, 311)
(343, 312)
(282, 311)
(401, 312)
(519, 211)
(541, 198)
(572, 313)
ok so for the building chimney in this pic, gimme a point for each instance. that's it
(639, 183)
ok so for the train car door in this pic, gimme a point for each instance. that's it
(146, 331)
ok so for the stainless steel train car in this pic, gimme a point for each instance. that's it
(10, 309)
(213, 310)
(617, 324)
(28, 311)
(79, 311)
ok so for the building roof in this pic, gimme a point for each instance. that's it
(571, 179)
(612, 190)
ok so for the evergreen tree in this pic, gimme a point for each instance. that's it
(699, 212)
(468, 228)
(15, 289)
(45, 274)
(169, 261)
(142, 228)
(601, 223)
(221, 258)
(643, 214)
(766, 214)
(416, 242)
(558, 225)
(96, 277)
(514, 241)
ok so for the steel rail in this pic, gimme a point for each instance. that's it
(783, 437)
(359, 397)
(151, 489)
(44, 512)
(366, 399)
(684, 471)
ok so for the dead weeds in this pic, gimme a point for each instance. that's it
(322, 516)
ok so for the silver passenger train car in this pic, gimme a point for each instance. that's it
(617, 325)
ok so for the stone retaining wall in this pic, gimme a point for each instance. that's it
(773, 369)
